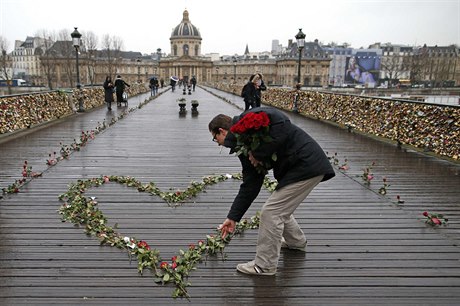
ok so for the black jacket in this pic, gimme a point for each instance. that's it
(250, 94)
(108, 91)
(299, 157)
(120, 85)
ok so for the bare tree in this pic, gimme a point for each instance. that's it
(434, 65)
(396, 63)
(391, 65)
(48, 58)
(117, 47)
(67, 53)
(90, 41)
(418, 65)
(111, 46)
(6, 63)
(107, 49)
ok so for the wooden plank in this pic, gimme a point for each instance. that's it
(363, 247)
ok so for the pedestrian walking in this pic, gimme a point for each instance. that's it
(193, 82)
(108, 92)
(120, 86)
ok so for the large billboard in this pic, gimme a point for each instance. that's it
(362, 67)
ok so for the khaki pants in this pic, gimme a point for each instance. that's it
(277, 221)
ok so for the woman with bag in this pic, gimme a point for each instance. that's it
(108, 92)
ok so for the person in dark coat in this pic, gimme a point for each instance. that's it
(120, 86)
(257, 79)
(173, 85)
(301, 164)
(108, 91)
(252, 91)
(193, 82)
(153, 84)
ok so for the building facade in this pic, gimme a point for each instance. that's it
(52, 64)
(436, 66)
(185, 59)
(26, 58)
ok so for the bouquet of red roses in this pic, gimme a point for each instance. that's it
(250, 131)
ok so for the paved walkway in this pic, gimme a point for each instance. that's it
(364, 248)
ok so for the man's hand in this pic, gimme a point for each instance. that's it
(253, 160)
(227, 227)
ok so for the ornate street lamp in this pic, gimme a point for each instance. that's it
(138, 60)
(234, 69)
(76, 43)
(300, 37)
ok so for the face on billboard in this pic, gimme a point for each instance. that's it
(362, 68)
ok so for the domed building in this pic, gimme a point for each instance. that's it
(185, 59)
(185, 38)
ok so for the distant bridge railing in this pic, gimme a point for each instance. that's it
(427, 127)
(22, 111)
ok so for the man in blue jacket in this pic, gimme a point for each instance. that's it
(301, 164)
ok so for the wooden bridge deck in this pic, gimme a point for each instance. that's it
(364, 248)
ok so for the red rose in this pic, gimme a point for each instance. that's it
(425, 213)
(143, 244)
(174, 265)
(174, 258)
(237, 128)
(251, 121)
(164, 265)
(436, 221)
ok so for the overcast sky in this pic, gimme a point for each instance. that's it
(227, 26)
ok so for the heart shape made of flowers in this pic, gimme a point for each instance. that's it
(83, 210)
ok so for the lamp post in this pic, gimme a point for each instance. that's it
(76, 43)
(138, 60)
(217, 74)
(234, 69)
(300, 37)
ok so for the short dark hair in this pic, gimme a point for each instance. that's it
(220, 121)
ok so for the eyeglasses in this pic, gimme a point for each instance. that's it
(214, 137)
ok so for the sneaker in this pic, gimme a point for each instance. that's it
(302, 248)
(252, 269)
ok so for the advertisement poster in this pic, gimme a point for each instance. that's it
(362, 67)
